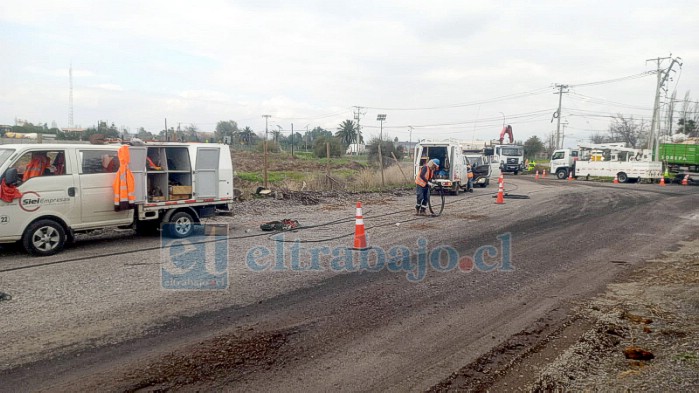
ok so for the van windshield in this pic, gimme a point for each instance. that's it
(5, 154)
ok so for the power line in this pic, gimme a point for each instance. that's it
(625, 78)
(473, 103)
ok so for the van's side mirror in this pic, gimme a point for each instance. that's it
(11, 178)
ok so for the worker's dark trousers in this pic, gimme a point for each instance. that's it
(423, 196)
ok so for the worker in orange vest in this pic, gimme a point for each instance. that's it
(469, 175)
(423, 181)
(36, 167)
(124, 185)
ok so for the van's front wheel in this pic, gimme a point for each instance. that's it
(44, 238)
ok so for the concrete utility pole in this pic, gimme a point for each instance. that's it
(654, 140)
(264, 174)
(357, 116)
(558, 114)
(381, 118)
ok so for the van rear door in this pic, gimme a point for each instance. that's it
(206, 172)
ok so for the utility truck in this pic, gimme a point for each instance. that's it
(511, 157)
(452, 174)
(173, 183)
(681, 159)
(605, 160)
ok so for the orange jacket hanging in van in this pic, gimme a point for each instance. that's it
(8, 193)
(124, 184)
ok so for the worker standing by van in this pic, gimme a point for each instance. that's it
(423, 181)
(469, 174)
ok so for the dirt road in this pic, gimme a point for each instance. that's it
(96, 316)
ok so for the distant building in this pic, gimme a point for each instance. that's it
(74, 129)
(355, 149)
(407, 147)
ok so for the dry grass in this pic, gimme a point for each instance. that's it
(370, 179)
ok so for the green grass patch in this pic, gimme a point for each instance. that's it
(345, 173)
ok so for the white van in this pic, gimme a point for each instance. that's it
(175, 183)
(453, 172)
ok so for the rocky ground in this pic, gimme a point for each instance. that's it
(642, 334)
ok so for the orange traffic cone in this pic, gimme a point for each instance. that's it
(359, 235)
(685, 181)
(501, 194)
(537, 175)
(616, 179)
(544, 174)
(570, 175)
(501, 178)
(662, 181)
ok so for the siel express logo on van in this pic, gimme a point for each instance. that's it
(32, 201)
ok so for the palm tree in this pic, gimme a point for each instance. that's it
(348, 132)
(246, 135)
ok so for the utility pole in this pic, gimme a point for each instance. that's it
(663, 75)
(381, 118)
(558, 113)
(357, 116)
(264, 173)
(166, 129)
(410, 142)
(292, 140)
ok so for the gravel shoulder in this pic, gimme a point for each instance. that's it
(645, 335)
(641, 334)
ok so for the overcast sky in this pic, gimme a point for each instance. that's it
(449, 69)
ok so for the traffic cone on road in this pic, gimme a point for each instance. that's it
(501, 178)
(685, 181)
(501, 194)
(359, 234)
(570, 176)
(544, 175)
(616, 179)
(662, 181)
(536, 177)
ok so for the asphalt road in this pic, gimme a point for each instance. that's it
(97, 317)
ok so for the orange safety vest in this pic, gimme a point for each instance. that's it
(428, 176)
(36, 167)
(124, 184)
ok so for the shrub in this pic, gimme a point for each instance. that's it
(336, 149)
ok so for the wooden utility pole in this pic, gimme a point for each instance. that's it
(401, 169)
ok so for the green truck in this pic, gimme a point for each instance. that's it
(680, 159)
